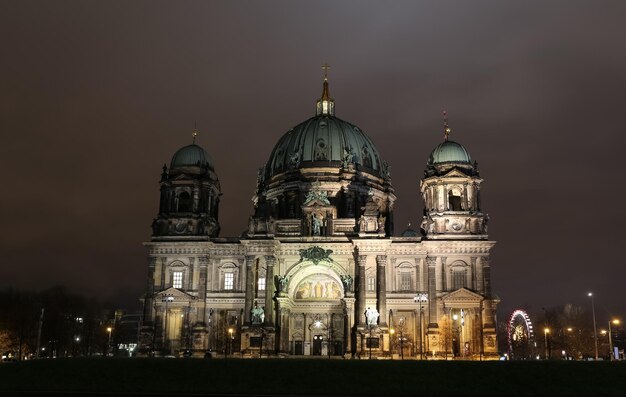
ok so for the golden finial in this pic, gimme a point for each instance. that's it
(194, 133)
(446, 129)
(325, 68)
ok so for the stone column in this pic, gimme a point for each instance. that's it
(432, 290)
(360, 299)
(270, 261)
(202, 287)
(444, 274)
(486, 275)
(250, 280)
(381, 290)
(147, 307)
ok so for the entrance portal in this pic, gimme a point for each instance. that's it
(298, 348)
(317, 345)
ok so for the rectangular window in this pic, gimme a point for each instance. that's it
(229, 281)
(177, 279)
(261, 283)
(371, 284)
(405, 281)
(459, 278)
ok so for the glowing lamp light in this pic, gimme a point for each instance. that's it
(392, 331)
(603, 332)
(569, 329)
(455, 317)
(318, 324)
(616, 322)
(109, 329)
(546, 330)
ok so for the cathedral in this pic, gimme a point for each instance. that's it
(319, 271)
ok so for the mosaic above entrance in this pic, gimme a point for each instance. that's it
(318, 286)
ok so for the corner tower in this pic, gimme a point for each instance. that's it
(190, 195)
(451, 193)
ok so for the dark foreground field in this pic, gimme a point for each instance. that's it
(311, 377)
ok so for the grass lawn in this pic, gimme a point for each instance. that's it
(315, 377)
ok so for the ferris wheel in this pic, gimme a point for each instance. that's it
(521, 336)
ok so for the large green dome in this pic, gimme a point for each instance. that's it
(449, 152)
(323, 141)
(191, 156)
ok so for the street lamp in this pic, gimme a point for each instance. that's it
(546, 331)
(109, 330)
(595, 331)
(611, 353)
(391, 333)
(421, 298)
(230, 342)
(369, 341)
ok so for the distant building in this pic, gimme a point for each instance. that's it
(126, 338)
(318, 271)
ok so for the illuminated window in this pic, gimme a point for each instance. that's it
(454, 202)
(261, 283)
(459, 278)
(177, 279)
(229, 281)
(371, 284)
(405, 281)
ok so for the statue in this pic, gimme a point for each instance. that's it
(347, 283)
(282, 283)
(251, 225)
(294, 160)
(258, 315)
(381, 224)
(316, 224)
(346, 159)
(260, 179)
(386, 171)
(362, 223)
(371, 316)
(270, 225)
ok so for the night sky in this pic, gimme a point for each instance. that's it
(96, 96)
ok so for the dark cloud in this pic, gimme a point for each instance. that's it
(96, 96)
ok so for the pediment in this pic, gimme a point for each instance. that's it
(462, 295)
(317, 203)
(455, 173)
(176, 295)
(181, 177)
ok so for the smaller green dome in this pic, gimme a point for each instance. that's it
(449, 152)
(191, 156)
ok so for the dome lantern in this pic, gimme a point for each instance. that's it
(325, 105)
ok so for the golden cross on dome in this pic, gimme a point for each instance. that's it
(325, 68)
(194, 133)
(446, 129)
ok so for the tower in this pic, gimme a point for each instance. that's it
(461, 305)
(451, 193)
(190, 195)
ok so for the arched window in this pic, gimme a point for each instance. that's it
(184, 202)
(454, 201)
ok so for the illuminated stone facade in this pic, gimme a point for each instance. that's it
(318, 271)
